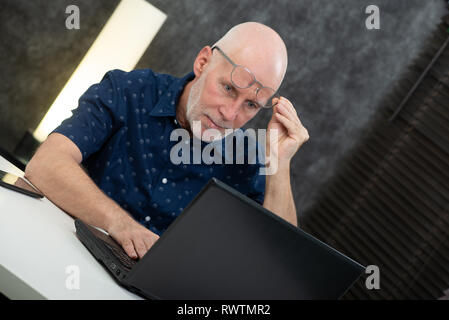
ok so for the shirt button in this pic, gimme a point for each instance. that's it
(175, 121)
(164, 180)
(147, 218)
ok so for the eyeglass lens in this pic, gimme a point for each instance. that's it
(244, 78)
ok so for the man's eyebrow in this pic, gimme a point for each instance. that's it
(223, 79)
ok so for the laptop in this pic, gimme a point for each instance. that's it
(227, 246)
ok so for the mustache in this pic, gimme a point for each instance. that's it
(219, 123)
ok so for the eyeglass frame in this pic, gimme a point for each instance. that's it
(234, 65)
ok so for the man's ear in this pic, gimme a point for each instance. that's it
(202, 60)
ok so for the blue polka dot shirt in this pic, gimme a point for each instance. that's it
(122, 127)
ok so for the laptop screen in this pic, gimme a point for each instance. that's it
(226, 246)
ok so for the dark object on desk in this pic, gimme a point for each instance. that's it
(26, 147)
(226, 246)
(13, 182)
(12, 158)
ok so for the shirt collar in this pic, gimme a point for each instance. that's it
(166, 106)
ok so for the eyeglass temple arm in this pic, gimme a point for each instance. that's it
(224, 55)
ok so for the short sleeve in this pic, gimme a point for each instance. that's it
(94, 120)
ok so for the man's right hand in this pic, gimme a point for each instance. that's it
(135, 239)
(55, 169)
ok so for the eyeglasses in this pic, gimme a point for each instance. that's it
(243, 78)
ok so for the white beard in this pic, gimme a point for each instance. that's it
(193, 102)
(194, 111)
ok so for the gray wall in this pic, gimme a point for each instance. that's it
(338, 70)
(38, 55)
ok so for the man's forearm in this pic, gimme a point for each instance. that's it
(278, 194)
(65, 183)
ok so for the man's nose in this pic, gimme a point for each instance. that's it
(229, 111)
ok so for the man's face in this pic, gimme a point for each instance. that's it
(217, 104)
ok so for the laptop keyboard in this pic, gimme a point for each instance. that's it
(121, 256)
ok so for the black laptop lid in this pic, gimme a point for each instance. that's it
(226, 246)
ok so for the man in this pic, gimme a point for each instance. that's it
(121, 129)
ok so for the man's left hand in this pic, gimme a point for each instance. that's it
(291, 133)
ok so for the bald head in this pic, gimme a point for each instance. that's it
(259, 48)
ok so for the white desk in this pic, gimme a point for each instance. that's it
(37, 243)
